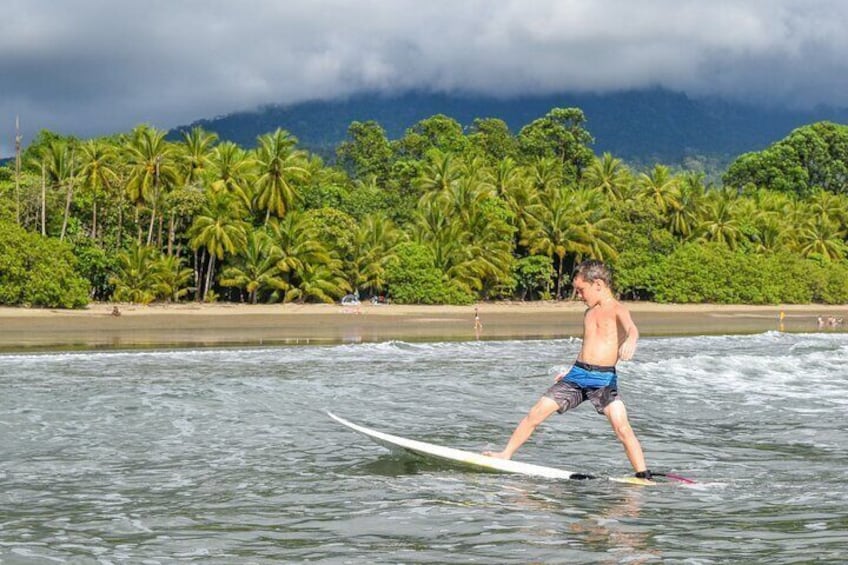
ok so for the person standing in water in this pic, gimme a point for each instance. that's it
(609, 335)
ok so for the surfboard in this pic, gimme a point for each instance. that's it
(472, 459)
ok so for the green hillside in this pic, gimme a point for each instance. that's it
(642, 127)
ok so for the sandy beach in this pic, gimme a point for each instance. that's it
(163, 325)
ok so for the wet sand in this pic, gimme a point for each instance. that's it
(181, 325)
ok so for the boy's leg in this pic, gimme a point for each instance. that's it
(538, 414)
(616, 413)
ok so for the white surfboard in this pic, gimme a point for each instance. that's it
(470, 458)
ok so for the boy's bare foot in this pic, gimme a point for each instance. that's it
(496, 454)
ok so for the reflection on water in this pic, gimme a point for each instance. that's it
(226, 455)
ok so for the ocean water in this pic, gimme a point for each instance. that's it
(227, 455)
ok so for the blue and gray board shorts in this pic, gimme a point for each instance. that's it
(595, 383)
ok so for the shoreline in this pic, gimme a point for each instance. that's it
(193, 324)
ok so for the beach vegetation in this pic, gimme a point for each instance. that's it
(442, 215)
(414, 278)
(254, 271)
(532, 276)
(278, 166)
(38, 272)
(810, 158)
(135, 278)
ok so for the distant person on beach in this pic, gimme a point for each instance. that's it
(609, 334)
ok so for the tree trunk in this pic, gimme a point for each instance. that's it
(120, 222)
(67, 210)
(18, 139)
(171, 229)
(138, 225)
(559, 277)
(155, 201)
(159, 234)
(152, 223)
(577, 260)
(43, 200)
(209, 272)
(94, 219)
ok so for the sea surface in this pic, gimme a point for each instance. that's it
(228, 456)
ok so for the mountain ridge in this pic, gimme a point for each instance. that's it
(641, 126)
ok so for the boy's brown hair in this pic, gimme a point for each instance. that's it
(592, 270)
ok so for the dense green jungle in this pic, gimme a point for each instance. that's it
(441, 215)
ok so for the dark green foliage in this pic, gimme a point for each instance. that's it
(492, 139)
(809, 158)
(316, 196)
(414, 279)
(278, 224)
(366, 152)
(713, 273)
(637, 273)
(95, 264)
(437, 132)
(829, 282)
(334, 229)
(533, 276)
(38, 271)
(560, 134)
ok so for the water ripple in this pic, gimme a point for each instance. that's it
(225, 455)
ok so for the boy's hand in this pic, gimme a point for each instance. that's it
(627, 350)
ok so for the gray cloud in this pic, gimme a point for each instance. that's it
(90, 67)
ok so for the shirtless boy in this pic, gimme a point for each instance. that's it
(609, 334)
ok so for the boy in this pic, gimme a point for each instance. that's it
(609, 334)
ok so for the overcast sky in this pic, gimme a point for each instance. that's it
(91, 67)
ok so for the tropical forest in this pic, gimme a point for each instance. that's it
(445, 214)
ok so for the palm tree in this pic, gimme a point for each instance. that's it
(465, 226)
(300, 254)
(172, 278)
(829, 206)
(772, 234)
(823, 237)
(446, 239)
(231, 171)
(546, 174)
(151, 170)
(374, 243)
(59, 169)
(720, 222)
(98, 173)
(519, 195)
(504, 177)
(660, 187)
(439, 172)
(324, 282)
(278, 166)
(464, 198)
(136, 277)
(772, 202)
(608, 175)
(594, 224)
(220, 230)
(684, 207)
(195, 153)
(570, 223)
(255, 268)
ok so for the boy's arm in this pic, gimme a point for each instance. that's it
(631, 333)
